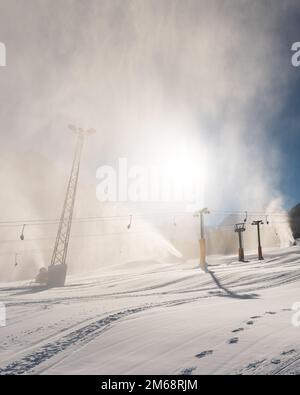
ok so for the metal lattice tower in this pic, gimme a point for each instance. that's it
(57, 269)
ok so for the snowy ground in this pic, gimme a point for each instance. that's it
(153, 318)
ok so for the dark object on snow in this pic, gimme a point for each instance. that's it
(233, 340)
(275, 361)
(294, 219)
(204, 354)
(57, 275)
(237, 330)
(42, 276)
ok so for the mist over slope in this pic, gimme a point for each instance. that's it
(160, 82)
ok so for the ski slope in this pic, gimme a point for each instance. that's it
(158, 318)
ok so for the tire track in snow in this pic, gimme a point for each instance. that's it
(79, 336)
(286, 369)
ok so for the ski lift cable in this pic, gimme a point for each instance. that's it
(45, 222)
(137, 231)
(80, 236)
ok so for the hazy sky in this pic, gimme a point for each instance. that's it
(149, 75)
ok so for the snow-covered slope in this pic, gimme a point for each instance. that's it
(153, 318)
